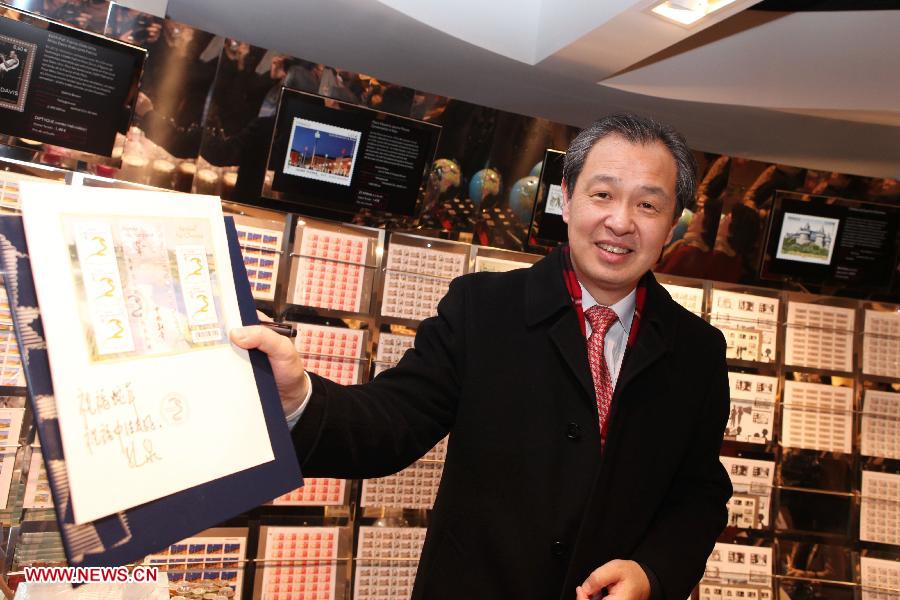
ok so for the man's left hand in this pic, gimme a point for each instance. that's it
(623, 579)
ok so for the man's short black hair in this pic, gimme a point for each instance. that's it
(637, 130)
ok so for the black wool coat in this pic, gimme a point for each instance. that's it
(527, 507)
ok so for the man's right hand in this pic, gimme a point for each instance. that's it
(287, 366)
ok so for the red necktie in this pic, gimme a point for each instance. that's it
(601, 319)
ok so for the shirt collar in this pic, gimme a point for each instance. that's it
(624, 308)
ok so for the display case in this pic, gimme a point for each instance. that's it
(819, 333)
(689, 294)
(879, 577)
(211, 562)
(835, 428)
(737, 571)
(417, 274)
(393, 342)
(748, 320)
(333, 267)
(881, 341)
(386, 561)
(495, 260)
(336, 353)
(303, 562)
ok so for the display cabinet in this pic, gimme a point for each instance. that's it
(811, 440)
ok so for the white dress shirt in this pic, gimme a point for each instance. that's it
(295, 416)
(613, 344)
(617, 337)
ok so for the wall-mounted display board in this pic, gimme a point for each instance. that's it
(343, 157)
(547, 226)
(831, 240)
(64, 86)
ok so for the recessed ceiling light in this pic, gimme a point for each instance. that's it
(688, 12)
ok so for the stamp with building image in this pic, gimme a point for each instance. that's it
(807, 238)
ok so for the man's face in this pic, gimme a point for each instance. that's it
(620, 214)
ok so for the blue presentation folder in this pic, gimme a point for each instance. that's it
(129, 536)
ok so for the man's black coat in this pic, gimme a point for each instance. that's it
(527, 507)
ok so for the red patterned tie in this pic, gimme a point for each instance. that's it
(601, 319)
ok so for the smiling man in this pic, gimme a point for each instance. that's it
(585, 407)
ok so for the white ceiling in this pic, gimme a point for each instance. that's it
(853, 64)
(820, 90)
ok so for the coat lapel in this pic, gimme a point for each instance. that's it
(654, 336)
(647, 349)
(548, 299)
(566, 334)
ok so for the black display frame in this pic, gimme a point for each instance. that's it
(132, 57)
(289, 192)
(543, 230)
(872, 272)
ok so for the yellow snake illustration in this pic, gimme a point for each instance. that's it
(205, 301)
(103, 246)
(112, 287)
(118, 334)
(199, 264)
